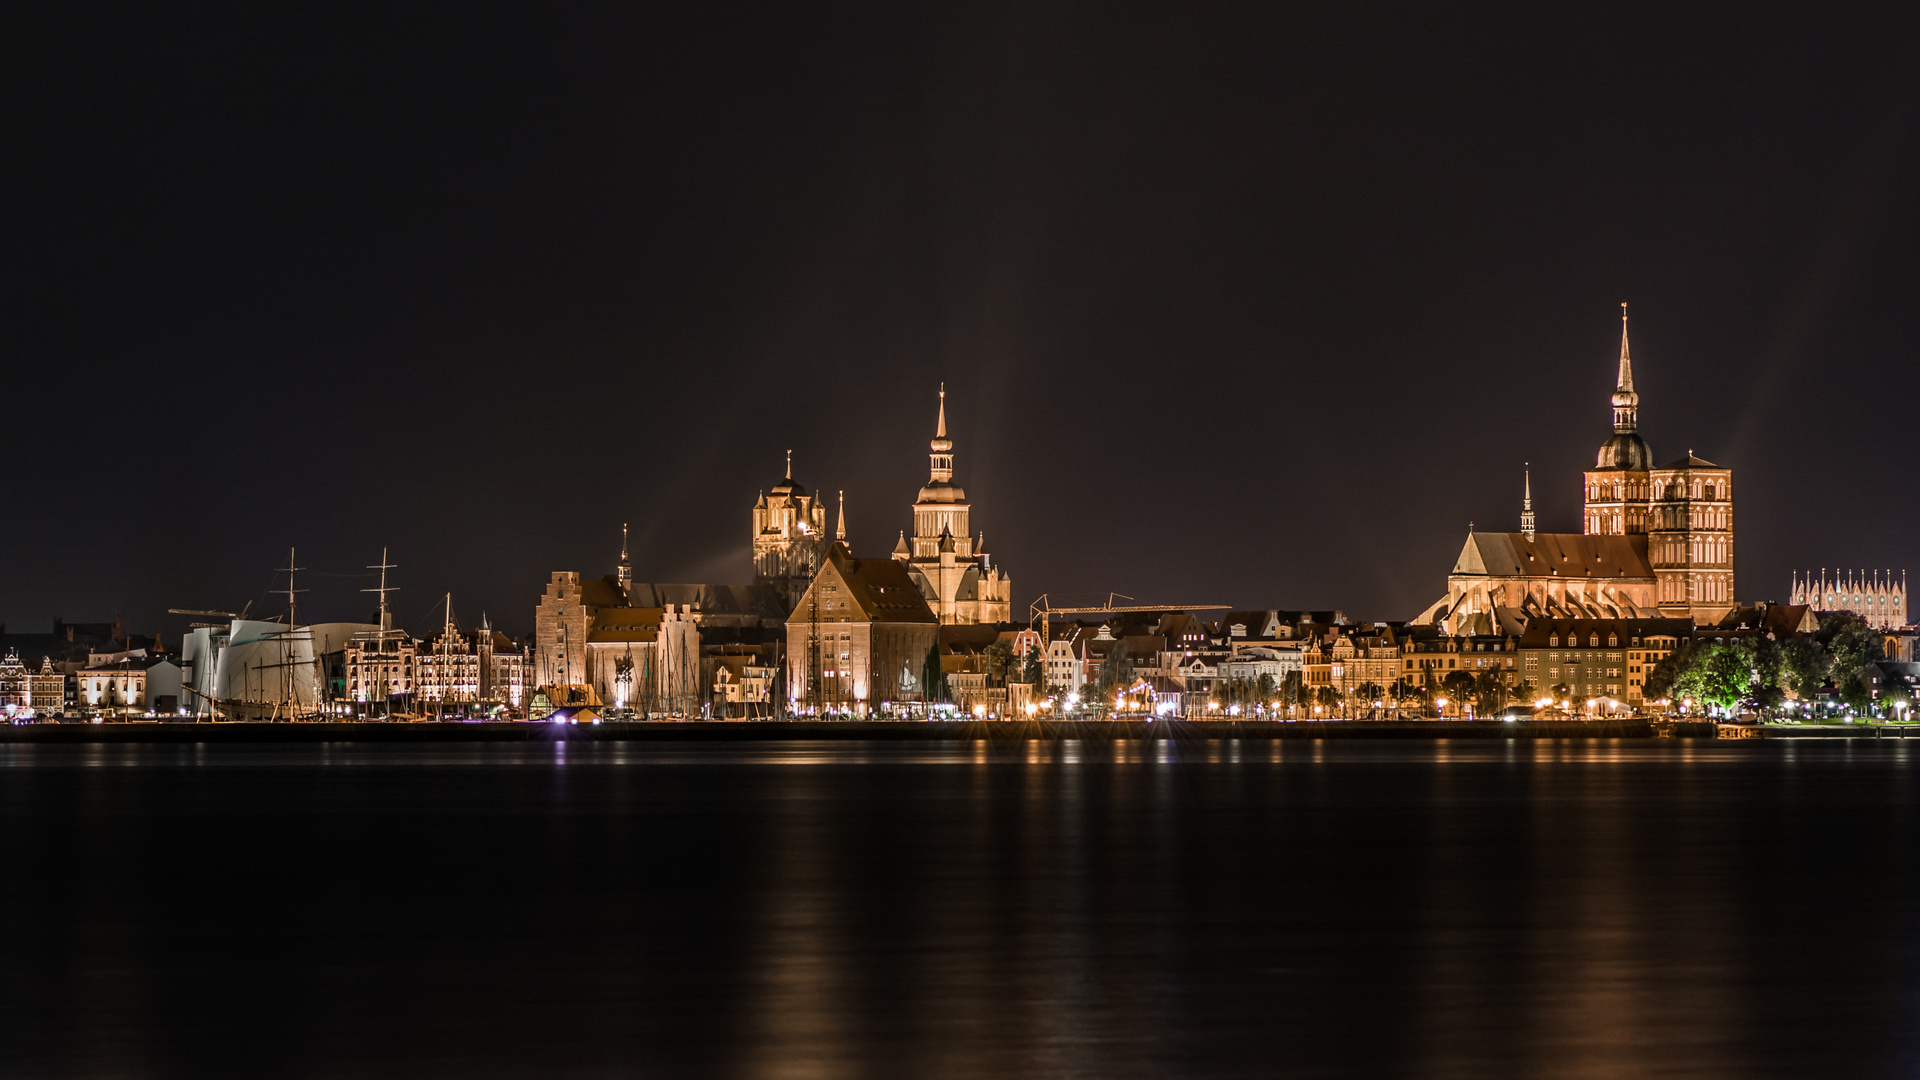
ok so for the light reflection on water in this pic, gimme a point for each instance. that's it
(1097, 908)
(1213, 752)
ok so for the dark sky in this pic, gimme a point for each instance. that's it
(1239, 305)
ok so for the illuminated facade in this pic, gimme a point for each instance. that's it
(118, 687)
(48, 689)
(1578, 660)
(790, 535)
(1685, 509)
(860, 635)
(1348, 658)
(1870, 594)
(448, 670)
(949, 565)
(15, 693)
(1656, 542)
(380, 670)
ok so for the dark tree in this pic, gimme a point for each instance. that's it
(1806, 665)
(1489, 693)
(1266, 690)
(1660, 680)
(1293, 689)
(1850, 646)
(1116, 671)
(999, 657)
(1766, 665)
(1458, 685)
(933, 680)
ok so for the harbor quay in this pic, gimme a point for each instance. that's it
(999, 732)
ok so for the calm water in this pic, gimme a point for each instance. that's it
(1487, 909)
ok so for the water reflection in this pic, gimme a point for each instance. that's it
(1098, 908)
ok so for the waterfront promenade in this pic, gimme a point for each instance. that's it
(735, 730)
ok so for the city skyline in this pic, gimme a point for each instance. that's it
(1201, 326)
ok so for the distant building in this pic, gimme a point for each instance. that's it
(1596, 658)
(47, 688)
(447, 671)
(743, 682)
(1657, 542)
(1870, 594)
(381, 672)
(1551, 575)
(16, 695)
(119, 687)
(474, 674)
(1066, 659)
(640, 645)
(1255, 662)
(859, 636)
(952, 569)
(790, 536)
(1348, 658)
(590, 630)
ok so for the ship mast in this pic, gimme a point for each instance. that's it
(289, 691)
(386, 631)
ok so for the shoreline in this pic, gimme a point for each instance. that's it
(818, 730)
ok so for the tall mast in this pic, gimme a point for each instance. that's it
(386, 616)
(292, 593)
(385, 634)
(288, 691)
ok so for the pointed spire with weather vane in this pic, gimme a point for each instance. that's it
(941, 446)
(840, 533)
(624, 568)
(1526, 502)
(1626, 403)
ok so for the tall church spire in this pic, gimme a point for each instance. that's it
(1626, 356)
(840, 533)
(1526, 503)
(1626, 403)
(624, 569)
(941, 446)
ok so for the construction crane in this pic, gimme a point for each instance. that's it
(1042, 610)
(241, 614)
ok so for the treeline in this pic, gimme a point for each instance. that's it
(1758, 672)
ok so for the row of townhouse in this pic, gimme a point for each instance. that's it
(389, 671)
(123, 683)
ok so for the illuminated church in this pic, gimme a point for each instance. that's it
(947, 561)
(1657, 542)
(790, 536)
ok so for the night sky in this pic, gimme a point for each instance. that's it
(1241, 305)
